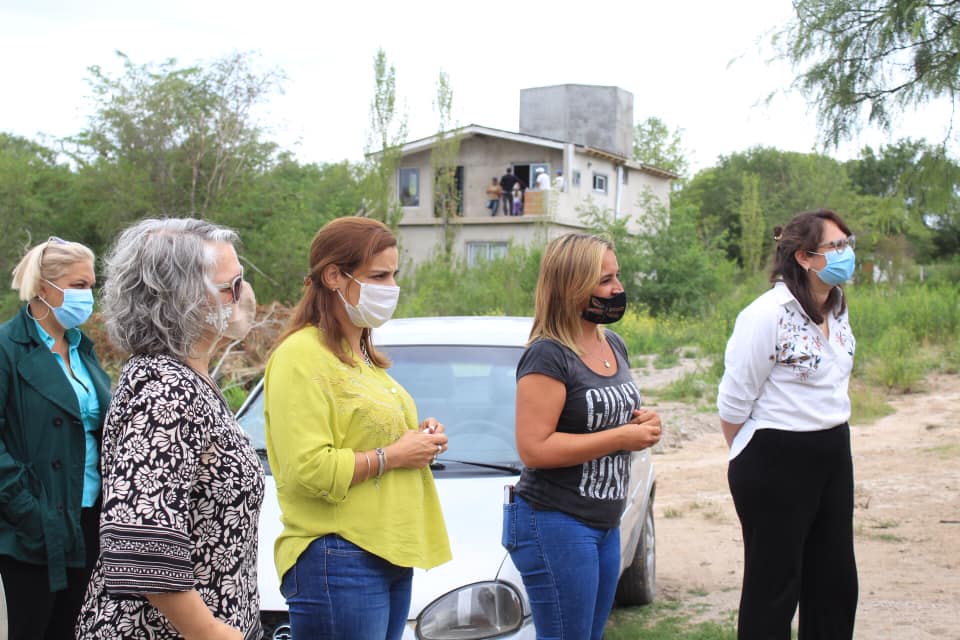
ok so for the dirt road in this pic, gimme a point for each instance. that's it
(907, 518)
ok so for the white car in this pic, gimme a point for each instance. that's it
(462, 371)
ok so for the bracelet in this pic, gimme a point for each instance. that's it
(381, 461)
(366, 457)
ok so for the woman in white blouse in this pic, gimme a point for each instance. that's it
(784, 407)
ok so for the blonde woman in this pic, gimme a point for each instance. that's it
(578, 416)
(53, 396)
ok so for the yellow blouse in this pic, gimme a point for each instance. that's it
(318, 412)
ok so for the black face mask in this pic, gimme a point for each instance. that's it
(605, 310)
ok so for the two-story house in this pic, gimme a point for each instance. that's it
(584, 131)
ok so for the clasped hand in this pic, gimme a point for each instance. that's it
(417, 449)
(647, 431)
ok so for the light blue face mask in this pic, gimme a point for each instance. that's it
(839, 267)
(76, 308)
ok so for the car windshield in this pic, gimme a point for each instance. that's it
(471, 390)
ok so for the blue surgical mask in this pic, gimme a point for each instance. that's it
(839, 267)
(76, 308)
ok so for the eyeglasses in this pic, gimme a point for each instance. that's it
(51, 239)
(837, 245)
(234, 286)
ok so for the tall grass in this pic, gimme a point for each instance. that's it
(903, 333)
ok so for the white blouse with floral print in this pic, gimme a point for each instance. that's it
(780, 372)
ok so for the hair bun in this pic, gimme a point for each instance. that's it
(777, 233)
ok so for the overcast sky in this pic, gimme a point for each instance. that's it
(700, 66)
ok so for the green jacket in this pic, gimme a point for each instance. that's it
(42, 450)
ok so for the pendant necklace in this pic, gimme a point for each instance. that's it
(606, 363)
(364, 354)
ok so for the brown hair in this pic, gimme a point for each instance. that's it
(347, 243)
(803, 233)
(569, 272)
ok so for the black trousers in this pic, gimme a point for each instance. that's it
(33, 612)
(507, 200)
(794, 495)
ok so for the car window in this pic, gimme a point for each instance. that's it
(471, 390)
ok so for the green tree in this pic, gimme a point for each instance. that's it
(666, 268)
(918, 188)
(655, 144)
(387, 132)
(36, 201)
(278, 213)
(872, 57)
(788, 183)
(752, 226)
(447, 286)
(169, 140)
(443, 160)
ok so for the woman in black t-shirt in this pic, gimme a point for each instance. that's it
(578, 417)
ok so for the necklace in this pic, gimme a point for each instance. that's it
(606, 363)
(364, 353)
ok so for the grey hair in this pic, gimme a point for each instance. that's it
(158, 277)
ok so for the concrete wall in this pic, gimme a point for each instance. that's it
(421, 240)
(598, 117)
(484, 157)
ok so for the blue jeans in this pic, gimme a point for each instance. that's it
(492, 205)
(336, 590)
(570, 570)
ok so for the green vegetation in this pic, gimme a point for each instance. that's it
(170, 140)
(667, 621)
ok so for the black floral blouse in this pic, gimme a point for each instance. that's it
(182, 489)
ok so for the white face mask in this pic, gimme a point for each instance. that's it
(376, 304)
(234, 321)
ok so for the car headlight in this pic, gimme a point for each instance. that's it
(479, 610)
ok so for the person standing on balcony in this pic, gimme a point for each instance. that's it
(517, 209)
(558, 181)
(493, 196)
(543, 180)
(507, 182)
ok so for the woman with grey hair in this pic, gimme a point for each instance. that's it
(182, 487)
(53, 396)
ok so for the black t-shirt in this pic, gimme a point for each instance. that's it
(507, 181)
(593, 492)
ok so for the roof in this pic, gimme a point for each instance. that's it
(472, 130)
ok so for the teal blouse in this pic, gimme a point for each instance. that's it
(90, 410)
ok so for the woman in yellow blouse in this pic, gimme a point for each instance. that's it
(351, 464)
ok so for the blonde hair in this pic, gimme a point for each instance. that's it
(569, 272)
(47, 261)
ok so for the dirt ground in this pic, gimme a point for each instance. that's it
(907, 518)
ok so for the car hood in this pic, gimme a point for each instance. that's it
(473, 512)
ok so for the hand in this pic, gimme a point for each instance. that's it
(415, 449)
(430, 425)
(643, 430)
(219, 630)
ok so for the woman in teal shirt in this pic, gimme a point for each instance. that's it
(53, 395)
